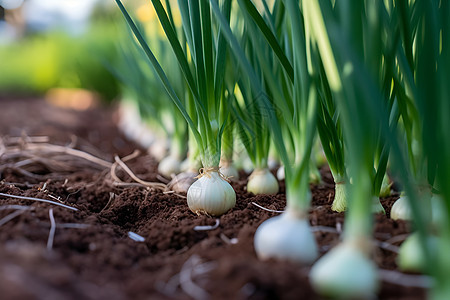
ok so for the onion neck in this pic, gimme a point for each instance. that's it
(178, 146)
(340, 196)
(298, 194)
(358, 220)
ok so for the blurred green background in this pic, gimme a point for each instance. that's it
(58, 44)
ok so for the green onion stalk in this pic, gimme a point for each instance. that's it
(190, 166)
(255, 135)
(172, 120)
(274, 160)
(140, 110)
(314, 173)
(227, 167)
(290, 95)
(416, 132)
(380, 42)
(253, 130)
(330, 133)
(413, 127)
(425, 67)
(319, 157)
(347, 270)
(202, 63)
(170, 165)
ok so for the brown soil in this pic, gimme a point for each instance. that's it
(99, 261)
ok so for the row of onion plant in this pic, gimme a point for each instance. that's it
(148, 116)
(201, 52)
(286, 92)
(423, 65)
(281, 237)
(362, 75)
(418, 73)
(252, 125)
(256, 145)
(367, 77)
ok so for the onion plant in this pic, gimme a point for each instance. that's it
(159, 119)
(423, 81)
(368, 76)
(357, 68)
(378, 55)
(424, 58)
(202, 63)
(253, 130)
(413, 129)
(227, 166)
(127, 69)
(290, 91)
(424, 61)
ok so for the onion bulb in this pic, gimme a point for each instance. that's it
(262, 181)
(411, 256)
(169, 166)
(273, 163)
(280, 173)
(182, 182)
(159, 149)
(228, 170)
(345, 272)
(286, 237)
(211, 194)
(247, 165)
(401, 209)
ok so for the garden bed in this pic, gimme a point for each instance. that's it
(93, 257)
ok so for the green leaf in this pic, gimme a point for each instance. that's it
(170, 90)
(269, 35)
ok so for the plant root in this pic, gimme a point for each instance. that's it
(138, 182)
(207, 227)
(266, 209)
(38, 200)
(11, 216)
(51, 234)
(193, 269)
(36, 158)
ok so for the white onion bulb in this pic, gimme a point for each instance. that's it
(262, 182)
(211, 195)
(146, 137)
(286, 237)
(411, 256)
(169, 166)
(345, 272)
(401, 209)
(247, 165)
(280, 173)
(185, 165)
(182, 182)
(159, 149)
(228, 170)
(273, 163)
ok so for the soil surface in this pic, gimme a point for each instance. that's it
(53, 252)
